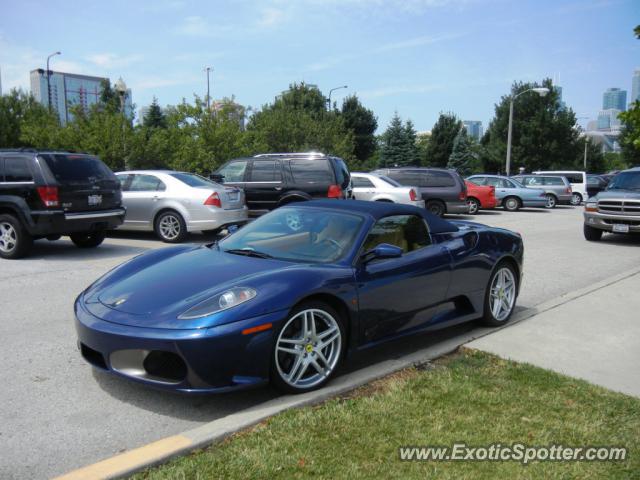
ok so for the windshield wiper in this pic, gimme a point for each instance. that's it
(248, 253)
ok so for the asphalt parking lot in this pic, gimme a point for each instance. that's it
(59, 414)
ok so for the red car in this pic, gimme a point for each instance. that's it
(480, 196)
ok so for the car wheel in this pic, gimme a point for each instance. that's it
(512, 204)
(435, 207)
(500, 298)
(170, 227)
(576, 199)
(308, 348)
(592, 234)
(88, 239)
(552, 201)
(474, 205)
(15, 241)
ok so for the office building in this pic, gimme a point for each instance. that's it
(67, 90)
(474, 128)
(608, 120)
(614, 98)
(635, 86)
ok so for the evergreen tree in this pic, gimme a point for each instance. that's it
(394, 144)
(443, 135)
(155, 118)
(411, 145)
(462, 157)
(363, 123)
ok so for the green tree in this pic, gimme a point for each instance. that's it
(462, 158)
(26, 123)
(443, 135)
(630, 136)
(363, 123)
(301, 96)
(544, 136)
(636, 32)
(394, 144)
(411, 155)
(154, 117)
(422, 144)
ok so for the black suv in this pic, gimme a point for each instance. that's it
(273, 179)
(49, 194)
(442, 190)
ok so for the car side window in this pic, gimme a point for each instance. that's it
(123, 179)
(311, 171)
(553, 181)
(408, 232)
(440, 179)
(17, 170)
(234, 171)
(494, 182)
(265, 171)
(508, 183)
(478, 180)
(146, 183)
(361, 182)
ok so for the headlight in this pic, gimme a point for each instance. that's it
(223, 301)
(591, 206)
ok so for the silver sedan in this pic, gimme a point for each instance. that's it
(174, 203)
(378, 188)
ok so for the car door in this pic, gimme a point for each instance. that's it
(18, 180)
(399, 294)
(141, 195)
(363, 188)
(263, 185)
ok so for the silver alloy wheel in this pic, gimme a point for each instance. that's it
(170, 227)
(473, 206)
(503, 294)
(576, 199)
(294, 222)
(551, 201)
(308, 348)
(512, 204)
(8, 237)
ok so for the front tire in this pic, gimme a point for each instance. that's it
(88, 239)
(474, 205)
(308, 348)
(435, 207)
(576, 199)
(500, 298)
(592, 234)
(170, 227)
(511, 204)
(15, 241)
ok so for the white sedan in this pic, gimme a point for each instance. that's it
(378, 188)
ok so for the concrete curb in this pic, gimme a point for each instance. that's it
(162, 450)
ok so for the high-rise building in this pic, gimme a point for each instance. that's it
(635, 86)
(561, 104)
(614, 98)
(68, 90)
(474, 128)
(608, 120)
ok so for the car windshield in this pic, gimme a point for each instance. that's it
(625, 181)
(390, 181)
(293, 234)
(194, 180)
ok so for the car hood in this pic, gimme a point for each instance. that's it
(155, 288)
(618, 195)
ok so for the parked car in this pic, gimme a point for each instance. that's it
(274, 179)
(578, 181)
(378, 188)
(510, 194)
(442, 190)
(557, 189)
(267, 305)
(47, 194)
(596, 184)
(171, 204)
(616, 209)
(480, 196)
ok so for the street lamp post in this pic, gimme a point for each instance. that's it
(208, 69)
(542, 91)
(49, 80)
(331, 91)
(121, 88)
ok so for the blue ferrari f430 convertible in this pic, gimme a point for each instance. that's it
(285, 298)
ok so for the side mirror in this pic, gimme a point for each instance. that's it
(384, 250)
(216, 177)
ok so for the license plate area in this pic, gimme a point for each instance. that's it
(620, 228)
(93, 200)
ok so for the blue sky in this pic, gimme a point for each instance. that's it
(416, 57)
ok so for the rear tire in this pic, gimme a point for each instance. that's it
(170, 227)
(15, 241)
(474, 205)
(501, 295)
(435, 207)
(88, 239)
(511, 204)
(552, 201)
(592, 234)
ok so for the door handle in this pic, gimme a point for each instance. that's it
(278, 188)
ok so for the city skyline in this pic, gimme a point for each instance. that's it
(410, 57)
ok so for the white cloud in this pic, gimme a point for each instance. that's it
(113, 60)
(398, 90)
(419, 41)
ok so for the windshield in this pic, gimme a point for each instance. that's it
(298, 235)
(625, 181)
(194, 180)
(390, 181)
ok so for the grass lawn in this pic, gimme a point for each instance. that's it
(469, 397)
